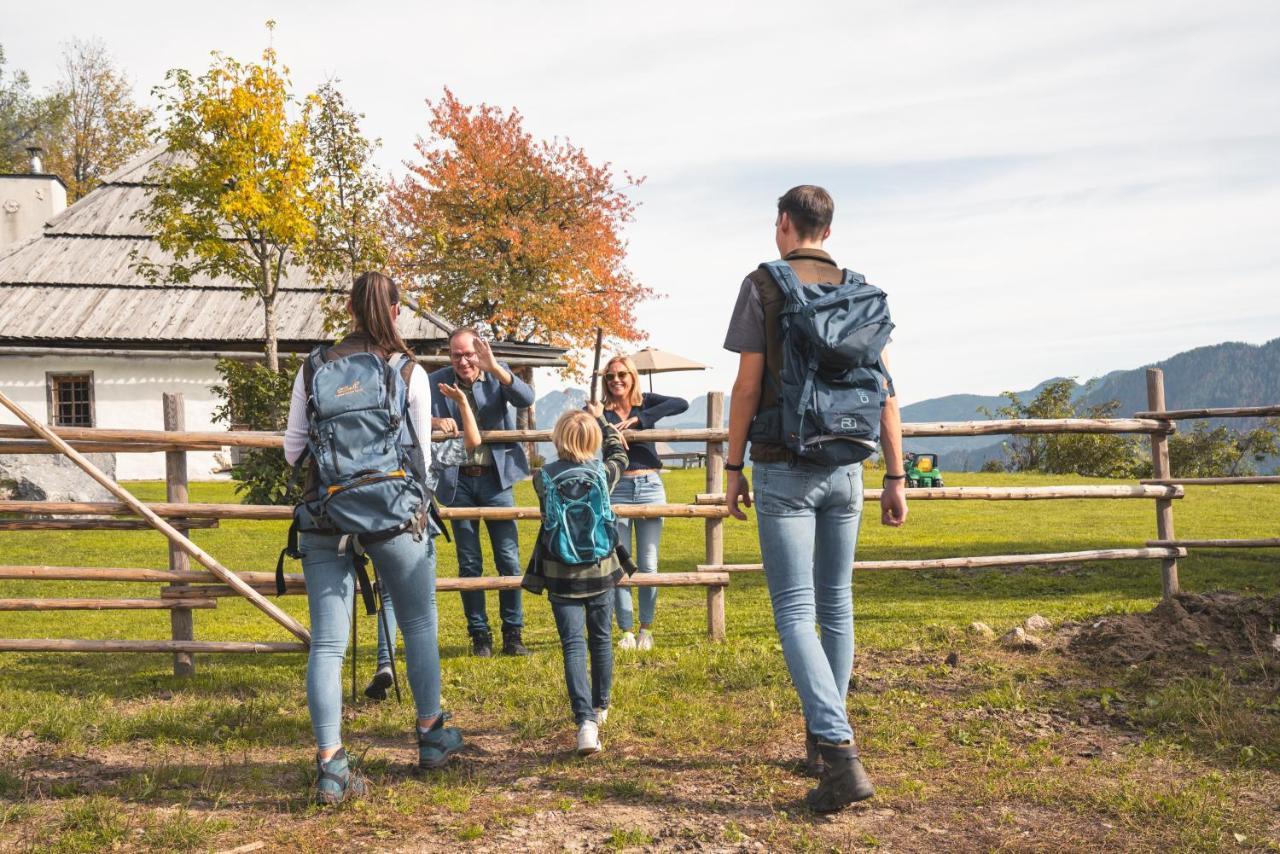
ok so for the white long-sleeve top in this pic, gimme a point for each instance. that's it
(295, 432)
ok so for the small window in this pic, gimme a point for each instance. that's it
(70, 399)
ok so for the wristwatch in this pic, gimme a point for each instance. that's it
(732, 467)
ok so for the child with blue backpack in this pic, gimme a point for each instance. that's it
(575, 562)
(360, 420)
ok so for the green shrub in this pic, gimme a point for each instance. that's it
(256, 398)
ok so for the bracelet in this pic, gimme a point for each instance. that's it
(895, 477)
(732, 467)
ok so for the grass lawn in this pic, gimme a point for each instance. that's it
(1002, 750)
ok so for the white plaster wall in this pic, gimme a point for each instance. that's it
(128, 393)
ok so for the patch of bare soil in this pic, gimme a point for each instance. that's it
(1192, 632)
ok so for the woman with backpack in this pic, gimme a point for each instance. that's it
(576, 565)
(626, 408)
(362, 411)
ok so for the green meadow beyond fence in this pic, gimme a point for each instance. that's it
(184, 590)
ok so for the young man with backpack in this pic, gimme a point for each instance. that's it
(485, 480)
(813, 396)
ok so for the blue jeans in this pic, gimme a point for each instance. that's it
(486, 491)
(387, 623)
(593, 616)
(407, 569)
(807, 517)
(644, 489)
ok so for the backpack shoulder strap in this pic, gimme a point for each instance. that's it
(315, 359)
(785, 277)
(852, 278)
(406, 369)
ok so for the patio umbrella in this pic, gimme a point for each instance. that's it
(652, 361)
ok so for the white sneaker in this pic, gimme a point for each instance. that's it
(628, 641)
(644, 643)
(588, 738)
(602, 715)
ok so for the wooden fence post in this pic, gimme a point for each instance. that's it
(715, 527)
(181, 622)
(1160, 469)
(527, 418)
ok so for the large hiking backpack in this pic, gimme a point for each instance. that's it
(832, 378)
(578, 522)
(366, 483)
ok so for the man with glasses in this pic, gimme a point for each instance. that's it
(485, 480)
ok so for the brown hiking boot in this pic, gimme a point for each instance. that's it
(844, 780)
(813, 764)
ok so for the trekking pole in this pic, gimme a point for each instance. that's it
(391, 641)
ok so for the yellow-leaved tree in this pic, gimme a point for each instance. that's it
(239, 197)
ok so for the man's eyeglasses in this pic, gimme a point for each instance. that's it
(464, 357)
(610, 377)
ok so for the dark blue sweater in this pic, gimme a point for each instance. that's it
(652, 408)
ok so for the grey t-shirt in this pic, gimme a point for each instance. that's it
(746, 324)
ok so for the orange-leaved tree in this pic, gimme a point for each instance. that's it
(518, 237)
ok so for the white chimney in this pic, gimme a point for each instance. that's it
(28, 201)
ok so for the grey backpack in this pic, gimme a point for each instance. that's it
(367, 482)
(832, 382)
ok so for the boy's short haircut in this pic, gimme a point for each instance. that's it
(577, 436)
(809, 208)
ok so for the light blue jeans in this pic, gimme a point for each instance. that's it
(575, 618)
(407, 569)
(643, 489)
(807, 516)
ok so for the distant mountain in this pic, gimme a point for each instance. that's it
(553, 404)
(1228, 374)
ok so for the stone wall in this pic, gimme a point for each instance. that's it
(52, 477)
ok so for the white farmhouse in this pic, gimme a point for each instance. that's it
(86, 341)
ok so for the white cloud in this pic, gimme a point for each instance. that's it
(1044, 189)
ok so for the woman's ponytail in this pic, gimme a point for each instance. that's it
(372, 296)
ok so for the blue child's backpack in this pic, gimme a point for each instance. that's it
(578, 522)
(366, 482)
(832, 379)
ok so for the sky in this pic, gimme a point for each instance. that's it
(1042, 188)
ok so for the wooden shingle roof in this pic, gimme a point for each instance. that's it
(74, 284)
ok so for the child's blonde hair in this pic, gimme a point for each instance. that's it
(577, 436)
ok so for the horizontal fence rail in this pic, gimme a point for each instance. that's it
(992, 493)
(1221, 412)
(100, 440)
(989, 560)
(1213, 481)
(207, 515)
(296, 584)
(1260, 543)
(74, 645)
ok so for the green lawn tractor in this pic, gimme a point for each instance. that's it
(922, 470)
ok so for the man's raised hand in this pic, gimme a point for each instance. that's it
(484, 356)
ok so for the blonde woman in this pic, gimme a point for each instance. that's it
(627, 408)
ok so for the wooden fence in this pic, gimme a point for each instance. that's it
(185, 590)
